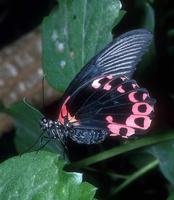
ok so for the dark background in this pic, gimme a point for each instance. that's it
(18, 17)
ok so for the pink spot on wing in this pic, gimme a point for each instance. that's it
(135, 109)
(134, 85)
(145, 95)
(109, 119)
(131, 121)
(109, 76)
(123, 78)
(107, 86)
(96, 84)
(132, 97)
(120, 89)
(115, 129)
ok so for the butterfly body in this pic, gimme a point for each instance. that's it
(55, 130)
(103, 100)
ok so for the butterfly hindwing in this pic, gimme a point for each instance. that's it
(116, 105)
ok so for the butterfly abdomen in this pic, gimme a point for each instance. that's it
(88, 136)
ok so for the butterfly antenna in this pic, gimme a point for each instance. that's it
(34, 144)
(42, 146)
(43, 92)
(29, 105)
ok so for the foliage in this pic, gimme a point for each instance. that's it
(40, 176)
(84, 28)
(74, 32)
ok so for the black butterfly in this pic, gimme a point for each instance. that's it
(103, 100)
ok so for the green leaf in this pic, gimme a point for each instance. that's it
(28, 129)
(141, 158)
(73, 33)
(171, 196)
(164, 153)
(151, 139)
(40, 177)
(148, 21)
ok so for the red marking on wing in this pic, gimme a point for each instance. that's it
(147, 110)
(123, 78)
(133, 99)
(96, 84)
(64, 113)
(145, 95)
(131, 121)
(137, 120)
(115, 128)
(135, 85)
(109, 77)
(107, 86)
(109, 119)
(120, 89)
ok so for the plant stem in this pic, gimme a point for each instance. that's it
(146, 141)
(112, 175)
(134, 176)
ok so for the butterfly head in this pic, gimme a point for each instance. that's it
(52, 128)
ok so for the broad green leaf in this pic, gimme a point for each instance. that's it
(171, 196)
(28, 130)
(73, 33)
(148, 20)
(40, 176)
(164, 153)
(140, 158)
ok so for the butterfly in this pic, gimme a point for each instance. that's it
(103, 100)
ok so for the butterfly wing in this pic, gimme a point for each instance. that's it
(120, 57)
(102, 97)
(117, 105)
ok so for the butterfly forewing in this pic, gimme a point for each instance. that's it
(118, 58)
